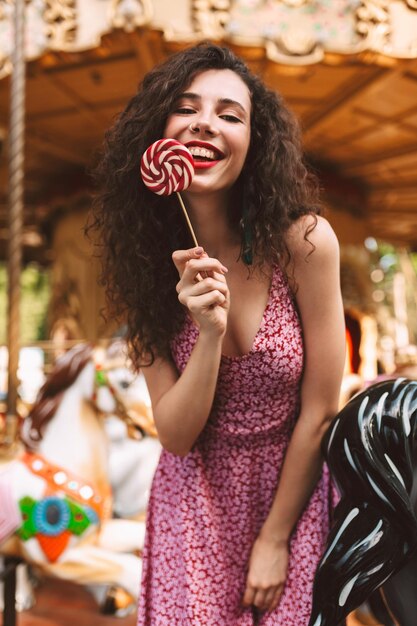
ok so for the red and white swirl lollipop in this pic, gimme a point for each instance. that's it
(167, 167)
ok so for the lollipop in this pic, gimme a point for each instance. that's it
(167, 167)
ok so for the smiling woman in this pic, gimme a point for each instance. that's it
(241, 340)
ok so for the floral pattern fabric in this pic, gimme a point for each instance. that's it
(206, 509)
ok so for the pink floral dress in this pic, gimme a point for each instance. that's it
(207, 508)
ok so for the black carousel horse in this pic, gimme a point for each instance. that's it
(371, 450)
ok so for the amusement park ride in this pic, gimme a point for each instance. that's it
(67, 486)
(351, 77)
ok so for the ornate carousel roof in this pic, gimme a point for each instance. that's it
(347, 67)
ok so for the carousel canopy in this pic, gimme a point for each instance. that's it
(348, 68)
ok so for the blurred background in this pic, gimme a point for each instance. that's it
(348, 68)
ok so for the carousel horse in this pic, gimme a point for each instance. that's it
(56, 496)
(132, 462)
(371, 450)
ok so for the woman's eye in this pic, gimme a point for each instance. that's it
(230, 118)
(184, 111)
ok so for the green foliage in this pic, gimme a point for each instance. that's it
(413, 257)
(34, 300)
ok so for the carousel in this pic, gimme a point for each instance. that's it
(348, 68)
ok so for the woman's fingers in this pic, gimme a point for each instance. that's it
(197, 289)
(202, 289)
(267, 571)
(276, 598)
(249, 596)
(195, 269)
(196, 261)
(272, 595)
(194, 265)
(259, 599)
(205, 301)
(208, 272)
(263, 599)
(181, 257)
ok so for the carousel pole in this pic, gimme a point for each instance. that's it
(15, 212)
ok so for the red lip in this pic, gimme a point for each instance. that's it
(203, 165)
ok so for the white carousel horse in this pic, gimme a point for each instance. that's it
(58, 492)
(132, 463)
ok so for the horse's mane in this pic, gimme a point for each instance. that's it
(65, 372)
(369, 450)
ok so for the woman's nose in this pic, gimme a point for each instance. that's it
(203, 125)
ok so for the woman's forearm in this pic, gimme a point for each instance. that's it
(300, 473)
(182, 412)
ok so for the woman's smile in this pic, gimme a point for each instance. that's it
(204, 154)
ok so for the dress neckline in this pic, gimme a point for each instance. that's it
(239, 357)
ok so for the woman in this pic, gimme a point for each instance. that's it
(242, 338)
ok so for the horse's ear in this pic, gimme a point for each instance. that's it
(66, 370)
(77, 357)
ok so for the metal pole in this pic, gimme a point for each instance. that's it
(9, 590)
(16, 189)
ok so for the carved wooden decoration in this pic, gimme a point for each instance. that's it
(60, 17)
(295, 32)
(303, 32)
(6, 9)
(295, 3)
(130, 14)
(373, 23)
(210, 17)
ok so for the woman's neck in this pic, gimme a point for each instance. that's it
(209, 215)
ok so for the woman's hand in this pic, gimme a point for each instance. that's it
(202, 289)
(267, 574)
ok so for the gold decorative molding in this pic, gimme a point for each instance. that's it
(374, 23)
(130, 14)
(209, 17)
(294, 3)
(5, 65)
(6, 8)
(305, 32)
(289, 51)
(60, 18)
(6, 11)
(292, 32)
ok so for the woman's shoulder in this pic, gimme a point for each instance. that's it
(312, 239)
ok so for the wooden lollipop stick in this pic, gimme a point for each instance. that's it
(201, 275)
(188, 219)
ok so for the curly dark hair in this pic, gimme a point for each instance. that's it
(136, 231)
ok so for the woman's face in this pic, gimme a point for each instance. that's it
(212, 118)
